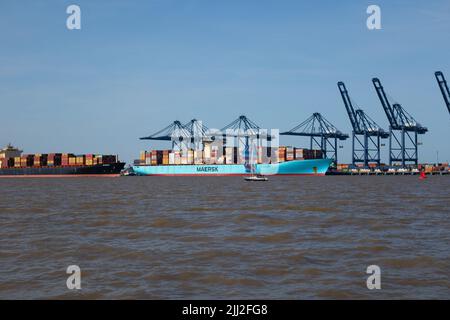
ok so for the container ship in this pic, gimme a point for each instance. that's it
(287, 161)
(15, 164)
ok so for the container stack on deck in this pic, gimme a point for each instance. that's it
(210, 155)
(384, 169)
(56, 160)
(7, 163)
(89, 159)
(281, 154)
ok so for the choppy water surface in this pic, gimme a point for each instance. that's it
(162, 237)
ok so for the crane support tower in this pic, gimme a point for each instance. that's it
(403, 130)
(366, 134)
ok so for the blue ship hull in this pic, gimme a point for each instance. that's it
(295, 167)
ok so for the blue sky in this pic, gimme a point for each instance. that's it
(135, 66)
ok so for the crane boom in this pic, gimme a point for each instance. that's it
(322, 134)
(385, 102)
(349, 106)
(444, 88)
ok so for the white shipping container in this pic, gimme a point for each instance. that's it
(207, 157)
(198, 158)
(228, 155)
(171, 158)
(299, 153)
(190, 157)
(207, 151)
(229, 151)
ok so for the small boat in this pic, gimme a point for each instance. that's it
(250, 165)
(128, 172)
(256, 178)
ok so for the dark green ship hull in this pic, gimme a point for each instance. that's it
(112, 169)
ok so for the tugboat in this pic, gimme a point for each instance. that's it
(127, 172)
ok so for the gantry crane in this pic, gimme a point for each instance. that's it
(403, 130)
(174, 132)
(322, 133)
(198, 133)
(243, 127)
(366, 134)
(444, 88)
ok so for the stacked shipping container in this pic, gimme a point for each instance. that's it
(57, 159)
(54, 159)
(232, 155)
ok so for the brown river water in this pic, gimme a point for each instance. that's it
(225, 238)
